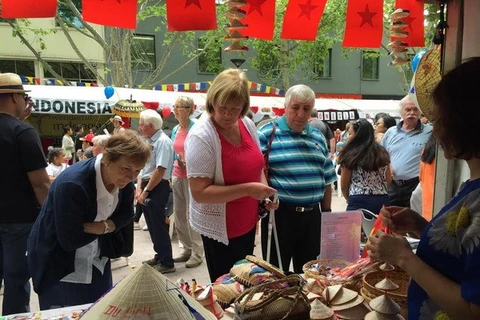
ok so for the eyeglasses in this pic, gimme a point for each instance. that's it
(180, 107)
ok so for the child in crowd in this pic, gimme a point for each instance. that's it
(57, 162)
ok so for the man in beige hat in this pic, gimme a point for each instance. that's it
(117, 124)
(24, 185)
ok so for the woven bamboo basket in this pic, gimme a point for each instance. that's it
(353, 284)
(400, 277)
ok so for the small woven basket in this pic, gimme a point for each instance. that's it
(353, 284)
(399, 277)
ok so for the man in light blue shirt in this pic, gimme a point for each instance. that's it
(153, 189)
(405, 143)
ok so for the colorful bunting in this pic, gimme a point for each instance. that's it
(302, 18)
(364, 27)
(260, 19)
(187, 15)
(114, 13)
(415, 21)
(28, 8)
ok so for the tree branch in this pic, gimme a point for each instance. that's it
(87, 26)
(78, 52)
(37, 54)
(163, 60)
(179, 68)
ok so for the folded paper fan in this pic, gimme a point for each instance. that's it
(236, 47)
(235, 36)
(425, 80)
(235, 25)
(400, 14)
(236, 3)
(235, 13)
(146, 294)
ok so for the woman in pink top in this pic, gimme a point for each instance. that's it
(224, 168)
(192, 243)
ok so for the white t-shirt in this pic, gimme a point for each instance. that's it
(54, 170)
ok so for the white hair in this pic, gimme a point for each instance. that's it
(300, 93)
(403, 101)
(152, 117)
(100, 140)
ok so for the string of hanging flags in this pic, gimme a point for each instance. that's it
(363, 29)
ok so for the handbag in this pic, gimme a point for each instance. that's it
(262, 209)
(280, 299)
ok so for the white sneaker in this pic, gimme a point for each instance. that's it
(136, 226)
(145, 228)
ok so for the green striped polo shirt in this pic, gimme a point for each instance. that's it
(299, 163)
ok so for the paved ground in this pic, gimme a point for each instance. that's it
(144, 251)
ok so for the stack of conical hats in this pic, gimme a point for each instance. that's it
(397, 33)
(346, 303)
(384, 307)
(319, 311)
(146, 294)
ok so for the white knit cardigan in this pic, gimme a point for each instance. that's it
(203, 154)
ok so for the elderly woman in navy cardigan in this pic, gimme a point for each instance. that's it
(70, 245)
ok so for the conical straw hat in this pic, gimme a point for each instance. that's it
(384, 304)
(319, 311)
(354, 313)
(146, 294)
(345, 295)
(387, 285)
(427, 76)
(386, 267)
(374, 315)
(330, 292)
(351, 304)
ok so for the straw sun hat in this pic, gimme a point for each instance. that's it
(11, 83)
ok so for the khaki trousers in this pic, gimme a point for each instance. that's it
(190, 239)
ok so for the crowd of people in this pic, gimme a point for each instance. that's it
(69, 217)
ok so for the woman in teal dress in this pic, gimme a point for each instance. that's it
(445, 270)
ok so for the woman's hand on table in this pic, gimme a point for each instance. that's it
(402, 220)
(388, 248)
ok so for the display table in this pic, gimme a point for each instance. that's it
(68, 313)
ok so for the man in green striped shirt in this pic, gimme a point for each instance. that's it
(301, 170)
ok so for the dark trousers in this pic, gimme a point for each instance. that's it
(372, 203)
(66, 294)
(138, 212)
(16, 294)
(221, 258)
(400, 192)
(155, 218)
(298, 235)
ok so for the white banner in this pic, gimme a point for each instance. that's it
(74, 107)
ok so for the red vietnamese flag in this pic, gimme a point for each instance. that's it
(260, 19)
(416, 28)
(28, 8)
(364, 24)
(112, 13)
(302, 18)
(187, 15)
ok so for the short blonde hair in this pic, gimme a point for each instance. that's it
(100, 140)
(130, 145)
(230, 85)
(185, 102)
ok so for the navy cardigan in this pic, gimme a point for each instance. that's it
(58, 230)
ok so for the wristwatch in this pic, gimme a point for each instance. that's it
(107, 228)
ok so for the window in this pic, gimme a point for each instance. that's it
(71, 71)
(323, 67)
(23, 68)
(143, 52)
(370, 65)
(211, 60)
